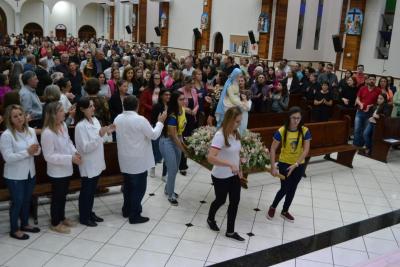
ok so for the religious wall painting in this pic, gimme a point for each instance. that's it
(263, 23)
(354, 22)
(204, 21)
(239, 44)
(163, 20)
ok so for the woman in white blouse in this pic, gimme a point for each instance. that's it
(19, 145)
(89, 143)
(59, 153)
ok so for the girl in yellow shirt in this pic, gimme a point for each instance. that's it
(294, 139)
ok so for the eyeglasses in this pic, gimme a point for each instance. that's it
(295, 118)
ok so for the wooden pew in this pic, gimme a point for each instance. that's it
(110, 177)
(386, 128)
(259, 120)
(327, 137)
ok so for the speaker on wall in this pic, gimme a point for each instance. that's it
(158, 32)
(251, 36)
(128, 29)
(337, 43)
(197, 33)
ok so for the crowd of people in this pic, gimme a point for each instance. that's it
(148, 100)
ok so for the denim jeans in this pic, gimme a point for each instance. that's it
(134, 190)
(86, 198)
(361, 121)
(156, 150)
(368, 132)
(172, 156)
(20, 194)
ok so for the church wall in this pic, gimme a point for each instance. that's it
(233, 18)
(369, 41)
(153, 9)
(184, 16)
(10, 16)
(91, 15)
(31, 11)
(63, 14)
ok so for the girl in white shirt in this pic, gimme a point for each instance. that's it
(89, 143)
(59, 153)
(19, 145)
(224, 154)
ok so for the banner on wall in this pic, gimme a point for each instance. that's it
(354, 22)
(263, 23)
(204, 21)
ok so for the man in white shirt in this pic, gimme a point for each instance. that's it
(135, 155)
(188, 70)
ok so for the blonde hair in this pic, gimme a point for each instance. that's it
(8, 122)
(50, 117)
(52, 93)
(230, 116)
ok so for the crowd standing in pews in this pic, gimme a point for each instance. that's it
(100, 87)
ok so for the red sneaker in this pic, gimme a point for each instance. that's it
(270, 213)
(287, 217)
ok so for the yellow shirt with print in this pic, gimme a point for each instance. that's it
(180, 123)
(291, 151)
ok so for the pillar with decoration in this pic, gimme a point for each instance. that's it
(205, 25)
(164, 25)
(264, 28)
(279, 29)
(353, 30)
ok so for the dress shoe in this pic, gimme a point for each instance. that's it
(89, 223)
(138, 220)
(22, 237)
(96, 218)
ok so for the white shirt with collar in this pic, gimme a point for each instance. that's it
(134, 135)
(90, 146)
(18, 162)
(58, 150)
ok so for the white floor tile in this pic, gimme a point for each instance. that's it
(200, 234)
(99, 233)
(183, 262)
(268, 230)
(291, 263)
(257, 243)
(81, 248)
(220, 253)
(346, 257)
(65, 261)
(193, 250)
(115, 255)
(144, 258)
(170, 229)
(127, 238)
(308, 263)
(380, 246)
(161, 244)
(50, 242)
(30, 257)
(323, 255)
(294, 233)
(385, 233)
(7, 252)
(354, 244)
(141, 227)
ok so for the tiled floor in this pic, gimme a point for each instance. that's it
(330, 197)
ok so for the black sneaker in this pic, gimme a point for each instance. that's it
(235, 236)
(183, 172)
(173, 201)
(138, 220)
(213, 225)
(175, 194)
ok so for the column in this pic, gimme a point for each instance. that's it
(127, 16)
(263, 45)
(205, 34)
(164, 23)
(353, 42)
(142, 21)
(73, 31)
(341, 31)
(279, 29)
(111, 22)
(17, 24)
(105, 20)
(135, 19)
(117, 19)
(46, 15)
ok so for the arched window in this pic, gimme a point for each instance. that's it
(318, 28)
(301, 24)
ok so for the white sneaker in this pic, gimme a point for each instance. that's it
(164, 178)
(153, 172)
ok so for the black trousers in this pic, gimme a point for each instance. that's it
(288, 186)
(59, 191)
(134, 189)
(86, 198)
(222, 188)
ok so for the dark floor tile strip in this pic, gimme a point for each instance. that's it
(313, 243)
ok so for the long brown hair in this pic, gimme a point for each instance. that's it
(8, 122)
(229, 118)
(51, 115)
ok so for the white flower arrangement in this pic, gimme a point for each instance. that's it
(254, 155)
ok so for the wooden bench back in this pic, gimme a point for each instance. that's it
(387, 128)
(324, 134)
(260, 120)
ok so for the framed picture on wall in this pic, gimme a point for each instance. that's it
(204, 21)
(239, 44)
(354, 22)
(263, 23)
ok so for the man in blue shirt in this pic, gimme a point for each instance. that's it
(30, 100)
